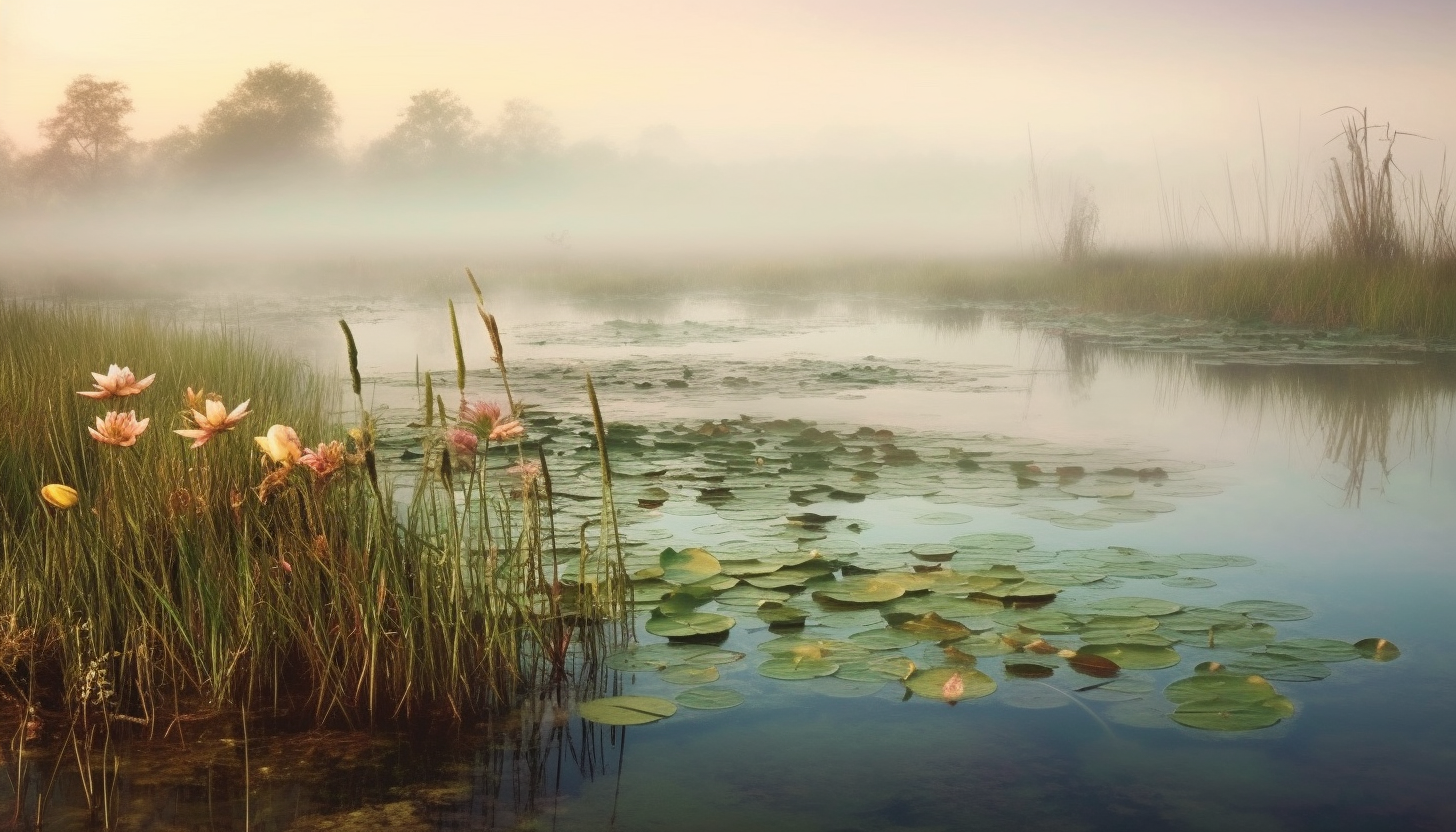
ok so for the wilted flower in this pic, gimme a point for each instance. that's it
(117, 428)
(325, 460)
(118, 382)
(507, 429)
(215, 420)
(463, 443)
(953, 688)
(281, 445)
(527, 471)
(60, 496)
(481, 415)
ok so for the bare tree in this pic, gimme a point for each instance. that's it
(86, 138)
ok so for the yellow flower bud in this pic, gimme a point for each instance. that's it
(60, 496)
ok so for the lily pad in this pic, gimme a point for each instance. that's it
(1135, 656)
(1152, 607)
(689, 624)
(861, 590)
(796, 668)
(884, 639)
(690, 674)
(950, 684)
(709, 698)
(1377, 649)
(1269, 610)
(626, 710)
(1227, 702)
(688, 566)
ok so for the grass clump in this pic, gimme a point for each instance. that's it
(159, 579)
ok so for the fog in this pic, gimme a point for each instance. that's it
(566, 133)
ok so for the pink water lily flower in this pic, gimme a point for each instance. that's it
(463, 443)
(281, 445)
(507, 429)
(120, 429)
(215, 420)
(325, 460)
(117, 382)
(481, 415)
(953, 688)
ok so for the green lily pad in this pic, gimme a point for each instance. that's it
(779, 615)
(1255, 634)
(1010, 542)
(690, 674)
(1278, 668)
(1190, 582)
(950, 684)
(1199, 561)
(795, 668)
(884, 639)
(1315, 650)
(1227, 702)
(861, 589)
(710, 698)
(626, 710)
(1152, 607)
(1135, 656)
(688, 566)
(689, 624)
(1269, 610)
(1377, 649)
(876, 668)
(944, 518)
(846, 688)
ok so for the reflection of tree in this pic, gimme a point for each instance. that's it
(1367, 413)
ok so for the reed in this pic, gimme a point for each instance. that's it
(212, 580)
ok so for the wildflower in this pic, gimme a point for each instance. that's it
(117, 428)
(463, 443)
(506, 430)
(480, 415)
(118, 382)
(60, 496)
(281, 445)
(287, 567)
(953, 688)
(215, 420)
(527, 471)
(325, 460)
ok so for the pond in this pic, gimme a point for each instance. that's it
(900, 533)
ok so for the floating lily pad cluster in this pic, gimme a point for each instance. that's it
(756, 480)
(961, 619)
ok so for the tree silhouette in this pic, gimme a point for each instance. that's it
(276, 117)
(524, 132)
(86, 138)
(436, 132)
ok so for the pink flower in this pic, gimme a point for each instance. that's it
(463, 443)
(120, 429)
(325, 460)
(506, 430)
(216, 420)
(118, 382)
(480, 415)
(953, 688)
(527, 471)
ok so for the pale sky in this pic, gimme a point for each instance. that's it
(751, 78)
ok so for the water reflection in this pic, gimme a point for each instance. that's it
(1371, 417)
(505, 773)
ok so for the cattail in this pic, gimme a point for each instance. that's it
(459, 351)
(479, 298)
(601, 430)
(440, 407)
(430, 402)
(354, 355)
(445, 469)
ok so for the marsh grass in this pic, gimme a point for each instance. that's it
(175, 589)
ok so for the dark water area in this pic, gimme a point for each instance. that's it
(1331, 465)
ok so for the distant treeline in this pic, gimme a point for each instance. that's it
(278, 121)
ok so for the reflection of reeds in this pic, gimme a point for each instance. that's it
(1367, 414)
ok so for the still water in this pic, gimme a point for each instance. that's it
(1332, 467)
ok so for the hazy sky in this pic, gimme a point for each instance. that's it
(764, 77)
